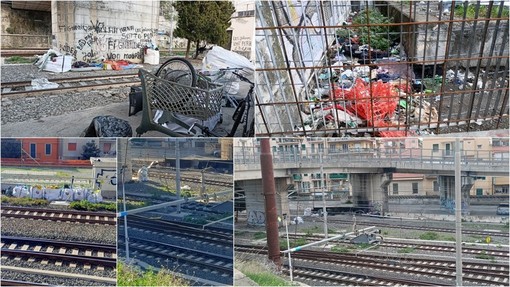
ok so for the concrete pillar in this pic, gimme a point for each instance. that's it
(371, 190)
(447, 192)
(255, 200)
(124, 157)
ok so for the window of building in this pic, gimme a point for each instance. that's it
(33, 150)
(48, 149)
(107, 147)
(435, 147)
(415, 188)
(71, 146)
(395, 188)
(345, 147)
(303, 147)
(248, 13)
(479, 146)
(436, 185)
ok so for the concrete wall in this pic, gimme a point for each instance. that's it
(90, 30)
(255, 203)
(243, 28)
(25, 29)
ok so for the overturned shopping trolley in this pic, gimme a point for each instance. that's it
(173, 108)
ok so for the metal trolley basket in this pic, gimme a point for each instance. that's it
(173, 100)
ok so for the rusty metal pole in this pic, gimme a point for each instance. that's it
(268, 185)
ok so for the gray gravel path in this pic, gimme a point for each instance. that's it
(59, 230)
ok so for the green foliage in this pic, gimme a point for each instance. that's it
(130, 276)
(203, 21)
(196, 220)
(292, 243)
(19, 60)
(131, 204)
(484, 255)
(259, 235)
(406, 250)
(341, 249)
(378, 34)
(62, 174)
(266, 279)
(482, 13)
(86, 205)
(363, 245)
(429, 235)
(449, 238)
(90, 149)
(24, 201)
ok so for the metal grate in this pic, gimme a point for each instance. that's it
(415, 67)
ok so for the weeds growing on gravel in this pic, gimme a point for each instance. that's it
(24, 201)
(429, 235)
(129, 276)
(406, 250)
(259, 235)
(266, 279)
(85, 205)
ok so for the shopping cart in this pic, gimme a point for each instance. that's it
(166, 102)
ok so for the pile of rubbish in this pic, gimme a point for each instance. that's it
(350, 93)
(56, 62)
(54, 193)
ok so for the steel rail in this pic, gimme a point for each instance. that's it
(71, 216)
(223, 233)
(20, 94)
(8, 282)
(354, 278)
(58, 243)
(388, 262)
(67, 80)
(181, 256)
(92, 260)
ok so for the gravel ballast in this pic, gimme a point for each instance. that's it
(104, 234)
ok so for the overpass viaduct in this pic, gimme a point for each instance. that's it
(370, 173)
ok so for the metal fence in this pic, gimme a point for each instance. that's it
(382, 68)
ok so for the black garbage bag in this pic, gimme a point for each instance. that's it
(108, 126)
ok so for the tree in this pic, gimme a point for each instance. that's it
(203, 21)
(90, 149)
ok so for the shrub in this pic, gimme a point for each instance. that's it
(24, 201)
(89, 206)
(129, 276)
(378, 34)
(429, 236)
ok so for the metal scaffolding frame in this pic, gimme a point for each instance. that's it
(461, 50)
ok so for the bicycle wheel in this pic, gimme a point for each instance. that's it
(178, 70)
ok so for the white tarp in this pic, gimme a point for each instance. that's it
(67, 194)
(20, 191)
(52, 194)
(37, 192)
(95, 197)
(80, 194)
(220, 58)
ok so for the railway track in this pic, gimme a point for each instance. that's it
(73, 254)
(205, 254)
(474, 273)
(424, 228)
(425, 246)
(24, 88)
(197, 179)
(7, 282)
(328, 277)
(88, 217)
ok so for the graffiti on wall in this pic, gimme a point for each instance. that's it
(241, 43)
(106, 179)
(256, 217)
(96, 40)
